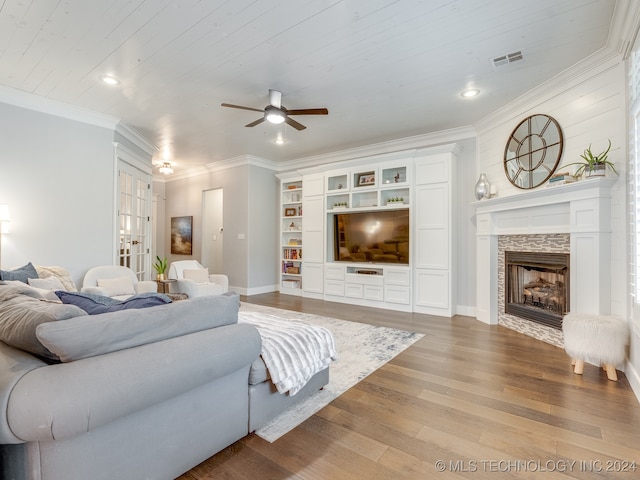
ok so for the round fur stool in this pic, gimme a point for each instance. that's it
(597, 339)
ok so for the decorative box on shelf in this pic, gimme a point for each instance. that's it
(291, 283)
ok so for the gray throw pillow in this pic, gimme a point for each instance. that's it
(23, 273)
(94, 304)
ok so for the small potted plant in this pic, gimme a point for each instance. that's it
(160, 267)
(594, 165)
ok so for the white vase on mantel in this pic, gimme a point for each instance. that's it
(483, 187)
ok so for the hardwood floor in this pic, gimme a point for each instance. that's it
(468, 400)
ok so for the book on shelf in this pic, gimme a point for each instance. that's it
(561, 179)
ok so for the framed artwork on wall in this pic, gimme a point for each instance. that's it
(181, 235)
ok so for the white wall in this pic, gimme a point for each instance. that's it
(57, 175)
(249, 211)
(263, 222)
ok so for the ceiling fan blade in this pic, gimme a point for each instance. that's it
(241, 107)
(257, 122)
(294, 124)
(275, 98)
(309, 111)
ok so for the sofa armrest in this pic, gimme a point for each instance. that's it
(220, 279)
(146, 286)
(14, 364)
(95, 291)
(86, 394)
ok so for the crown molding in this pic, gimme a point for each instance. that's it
(131, 157)
(391, 146)
(135, 137)
(242, 160)
(40, 104)
(625, 23)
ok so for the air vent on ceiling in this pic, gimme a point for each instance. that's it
(506, 60)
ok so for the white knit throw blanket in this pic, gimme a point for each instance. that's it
(293, 351)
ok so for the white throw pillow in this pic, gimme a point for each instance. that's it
(49, 283)
(117, 286)
(201, 275)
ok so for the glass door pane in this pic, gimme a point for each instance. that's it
(133, 220)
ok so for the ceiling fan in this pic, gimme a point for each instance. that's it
(276, 113)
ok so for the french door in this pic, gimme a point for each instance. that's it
(134, 225)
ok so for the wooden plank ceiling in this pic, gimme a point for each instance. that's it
(385, 69)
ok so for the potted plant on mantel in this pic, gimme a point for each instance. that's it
(594, 165)
(160, 267)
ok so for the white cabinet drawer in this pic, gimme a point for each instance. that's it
(332, 287)
(372, 292)
(397, 277)
(354, 290)
(334, 272)
(395, 294)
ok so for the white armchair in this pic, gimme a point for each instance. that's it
(195, 280)
(115, 281)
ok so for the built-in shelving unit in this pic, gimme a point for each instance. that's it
(291, 236)
(366, 188)
(409, 266)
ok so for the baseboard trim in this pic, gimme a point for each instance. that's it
(256, 290)
(466, 310)
(634, 379)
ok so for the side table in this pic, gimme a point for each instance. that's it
(163, 285)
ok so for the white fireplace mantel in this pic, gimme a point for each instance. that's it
(581, 209)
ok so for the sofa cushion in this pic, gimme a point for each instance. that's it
(117, 286)
(22, 309)
(60, 273)
(50, 283)
(22, 274)
(93, 335)
(200, 275)
(95, 304)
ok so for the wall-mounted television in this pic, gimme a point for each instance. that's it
(380, 236)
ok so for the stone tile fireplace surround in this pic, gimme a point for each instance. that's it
(572, 218)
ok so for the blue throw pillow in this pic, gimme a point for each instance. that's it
(95, 304)
(22, 274)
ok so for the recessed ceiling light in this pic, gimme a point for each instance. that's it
(109, 80)
(470, 92)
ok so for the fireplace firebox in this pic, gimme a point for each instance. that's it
(537, 286)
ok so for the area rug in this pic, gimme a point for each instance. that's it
(362, 349)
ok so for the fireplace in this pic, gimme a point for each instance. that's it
(573, 219)
(537, 286)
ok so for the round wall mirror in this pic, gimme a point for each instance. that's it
(533, 151)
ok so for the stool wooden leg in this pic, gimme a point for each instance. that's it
(611, 372)
(578, 367)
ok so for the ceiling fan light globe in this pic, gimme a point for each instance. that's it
(274, 115)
